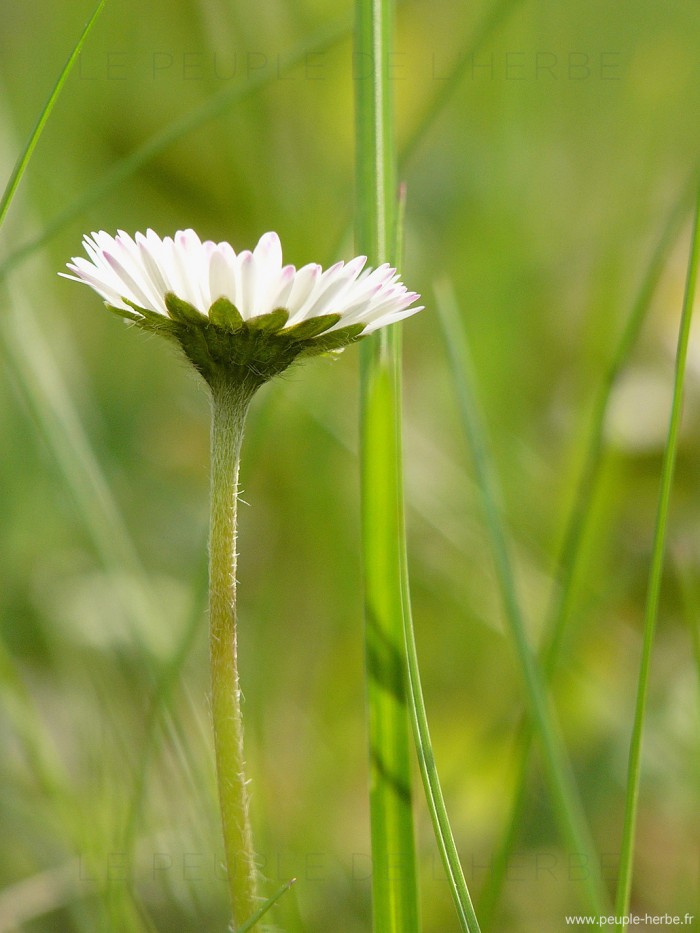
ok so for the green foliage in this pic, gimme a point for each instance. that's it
(539, 187)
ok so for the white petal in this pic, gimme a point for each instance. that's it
(110, 296)
(392, 318)
(131, 288)
(268, 262)
(246, 275)
(194, 261)
(305, 284)
(285, 281)
(268, 254)
(172, 271)
(222, 276)
(352, 312)
(316, 295)
(128, 254)
(149, 256)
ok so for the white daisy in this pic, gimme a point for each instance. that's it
(136, 274)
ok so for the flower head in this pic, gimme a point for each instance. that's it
(245, 312)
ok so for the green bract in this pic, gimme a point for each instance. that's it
(223, 345)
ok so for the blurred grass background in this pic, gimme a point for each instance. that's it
(539, 189)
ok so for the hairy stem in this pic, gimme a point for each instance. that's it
(229, 406)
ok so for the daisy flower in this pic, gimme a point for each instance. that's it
(246, 311)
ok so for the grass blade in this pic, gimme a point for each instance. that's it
(624, 885)
(577, 524)
(395, 892)
(426, 760)
(395, 903)
(270, 902)
(26, 154)
(416, 702)
(566, 801)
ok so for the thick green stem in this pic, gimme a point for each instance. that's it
(395, 907)
(229, 406)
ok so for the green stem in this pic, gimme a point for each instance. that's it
(624, 885)
(395, 907)
(229, 406)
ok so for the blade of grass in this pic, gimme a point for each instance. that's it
(128, 166)
(426, 759)
(566, 801)
(561, 605)
(394, 883)
(26, 154)
(624, 884)
(270, 902)
(416, 702)
(395, 905)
